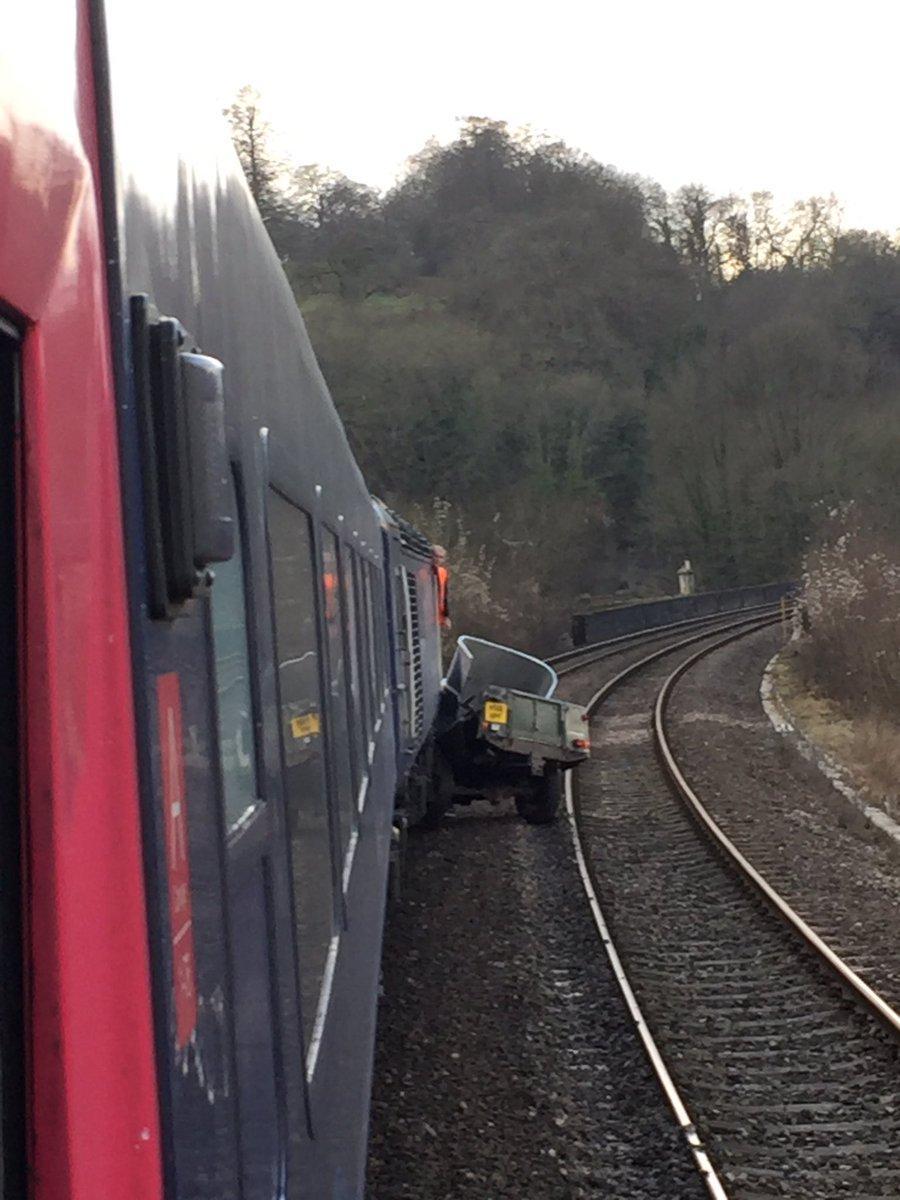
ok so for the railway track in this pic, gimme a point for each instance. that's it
(780, 1064)
(576, 659)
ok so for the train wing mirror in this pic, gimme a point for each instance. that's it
(184, 458)
(204, 400)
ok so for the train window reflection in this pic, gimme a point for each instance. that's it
(233, 691)
(358, 714)
(338, 686)
(371, 600)
(382, 648)
(306, 799)
(370, 629)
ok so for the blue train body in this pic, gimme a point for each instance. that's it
(309, 674)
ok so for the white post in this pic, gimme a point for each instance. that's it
(686, 579)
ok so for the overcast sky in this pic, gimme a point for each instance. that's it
(799, 98)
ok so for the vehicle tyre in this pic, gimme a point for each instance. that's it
(540, 804)
(440, 798)
(395, 860)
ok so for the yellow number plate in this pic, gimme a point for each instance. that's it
(495, 712)
(305, 726)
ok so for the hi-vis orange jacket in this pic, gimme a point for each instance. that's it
(443, 578)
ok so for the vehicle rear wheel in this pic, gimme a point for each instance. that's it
(540, 804)
(440, 798)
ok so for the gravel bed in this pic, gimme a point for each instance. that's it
(506, 1064)
(795, 1092)
(784, 814)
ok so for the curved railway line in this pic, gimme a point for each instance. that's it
(780, 1063)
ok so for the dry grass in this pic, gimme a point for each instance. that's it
(876, 748)
(843, 683)
(866, 746)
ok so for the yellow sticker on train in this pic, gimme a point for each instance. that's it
(305, 726)
(496, 712)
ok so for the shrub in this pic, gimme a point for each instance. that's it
(851, 590)
(495, 593)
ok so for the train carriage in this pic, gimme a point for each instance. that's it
(207, 724)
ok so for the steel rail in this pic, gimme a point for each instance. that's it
(686, 1124)
(639, 635)
(861, 990)
(748, 625)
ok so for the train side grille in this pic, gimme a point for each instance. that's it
(415, 656)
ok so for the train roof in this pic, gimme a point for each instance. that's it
(187, 232)
(410, 537)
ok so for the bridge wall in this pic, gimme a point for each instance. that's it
(591, 627)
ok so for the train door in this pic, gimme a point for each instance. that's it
(12, 1079)
(311, 822)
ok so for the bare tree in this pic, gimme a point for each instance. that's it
(658, 212)
(768, 232)
(814, 227)
(697, 219)
(251, 132)
(736, 239)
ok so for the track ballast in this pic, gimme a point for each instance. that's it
(793, 1086)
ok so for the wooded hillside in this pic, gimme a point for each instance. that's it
(576, 380)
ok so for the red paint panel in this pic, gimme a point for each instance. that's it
(171, 747)
(93, 1112)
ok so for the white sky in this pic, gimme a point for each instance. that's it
(797, 97)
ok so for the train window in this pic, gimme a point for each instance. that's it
(300, 704)
(372, 631)
(363, 642)
(366, 634)
(237, 746)
(338, 686)
(372, 606)
(378, 631)
(370, 640)
(358, 707)
(382, 641)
